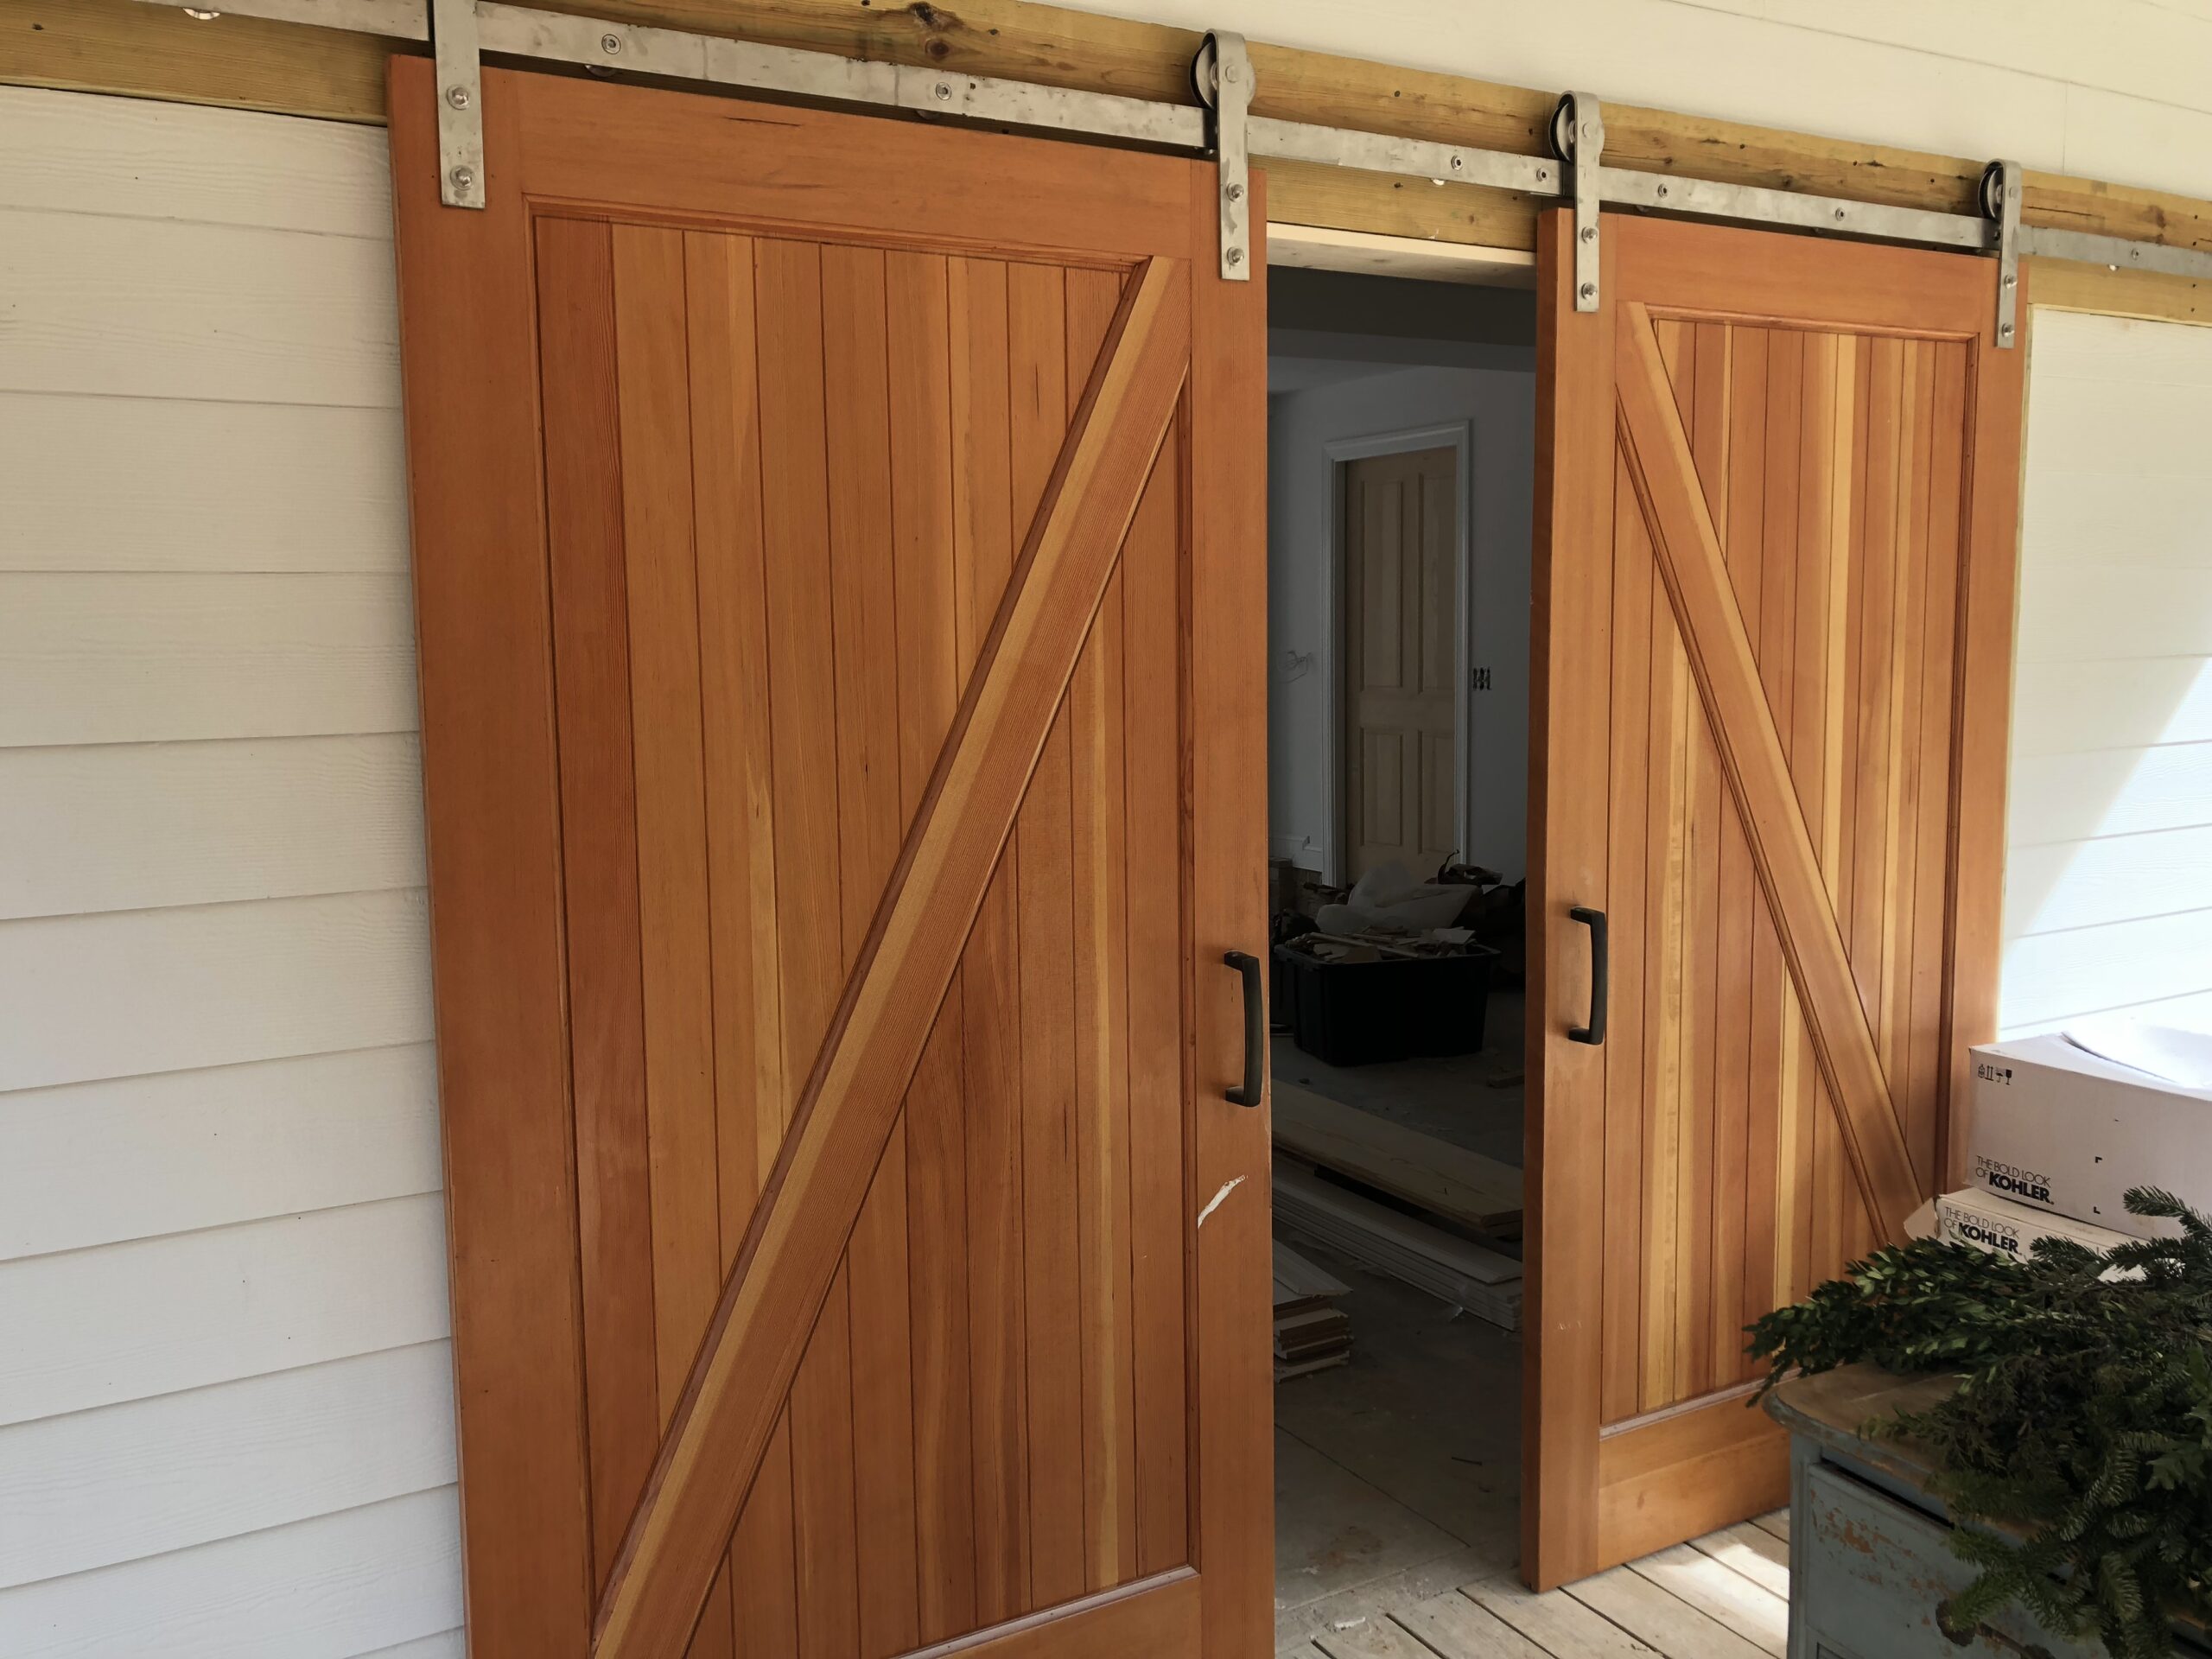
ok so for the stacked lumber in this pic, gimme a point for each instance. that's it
(1450, 1268)
(1311, 1333)
(1335, 1169)
(1462, 1186)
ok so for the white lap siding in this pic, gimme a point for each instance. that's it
(2108, 864)
(225, 1392)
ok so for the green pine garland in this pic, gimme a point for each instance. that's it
(2083, 1420)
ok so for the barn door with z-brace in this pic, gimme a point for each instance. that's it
(839, 559)
(1772, 648)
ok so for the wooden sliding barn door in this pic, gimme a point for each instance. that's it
(1773, 637)
(843, 722)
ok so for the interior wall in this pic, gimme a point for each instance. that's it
(2108, 859)
(225, 1389)
(2116, 89)
(1500, 403)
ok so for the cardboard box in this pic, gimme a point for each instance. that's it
(2004, 1228)
(2067, 1133)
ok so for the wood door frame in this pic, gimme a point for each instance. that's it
(1458, 436)
(1567, 1459)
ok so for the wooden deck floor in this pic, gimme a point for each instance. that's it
(1723, 1597)
(1396, 1517)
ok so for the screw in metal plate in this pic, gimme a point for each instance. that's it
(1662, 190)
(1839, 212)
(2012, 281)
(1231, 72)
(2005, 330)
(944, 94)
(1235, 192)
(1457, 163)
(463, 177)
(458, 97)
(1589, 291)
(1542, 175)
(1589, 232)
(610, 44)
(1235, 256)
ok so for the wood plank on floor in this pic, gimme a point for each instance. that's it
(1753, 1551)
(1658, 1618)
(1557, 1622)
(1373, 1637)
(1777, 1523)
(1307, 1621)
(1757, 1615)
(1456, 1627)
(1477, 1192)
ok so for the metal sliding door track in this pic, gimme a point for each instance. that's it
(462, 32)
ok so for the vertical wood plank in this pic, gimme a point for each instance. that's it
(749, 1086)
(1938, 753)
(1631, 1026)
(1748, 415)
(654, 375)
(803, 725)
(872, 821)
(591, 648)
(930, 676)
(1770, 1170)
(1900, 816)
(1874, 642)
(1037, 380)
(1101, 1078)
(1664, 1087)
(1152, 578)
(764, 1557)
(983, 550)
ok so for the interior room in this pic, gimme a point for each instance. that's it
(1401, 417)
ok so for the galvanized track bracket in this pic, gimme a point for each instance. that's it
(1578, 136)
(1221, 73)
(461, 103)
(2001, 198)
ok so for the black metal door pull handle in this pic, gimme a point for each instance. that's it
(1252, 1090)
(1594, 1032)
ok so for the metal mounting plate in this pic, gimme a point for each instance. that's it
(1578, 130)
(461, 103)
(1223, 74)
(2002, 187)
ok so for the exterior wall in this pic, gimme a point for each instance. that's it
(1501, 404)
(2108, 861)
(225, 1394)
(2119, 90)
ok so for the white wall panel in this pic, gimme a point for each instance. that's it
(384, 1574)
(98, 1163)
(252, 818)
(84, 997)
(181, 484)
(226, 1391)
(145, 308)
(108, 658)
(128, 157)
(2108, 867)
(94, 1488)
(127, 1322)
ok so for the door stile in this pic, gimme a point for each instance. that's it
(1570, 728)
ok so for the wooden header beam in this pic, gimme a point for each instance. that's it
(119, 46)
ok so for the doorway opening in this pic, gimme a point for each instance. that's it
(1401, 480)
